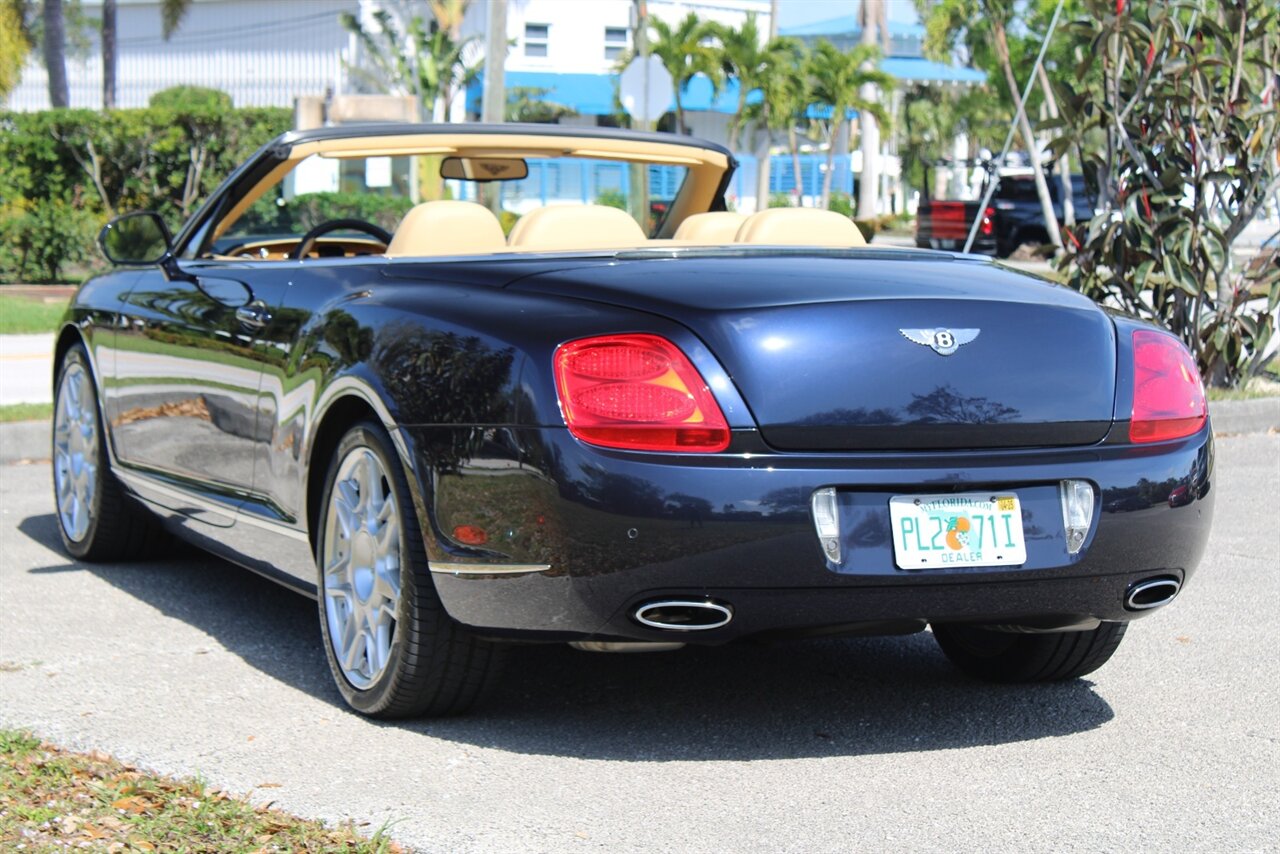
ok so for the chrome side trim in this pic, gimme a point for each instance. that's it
(487, 568)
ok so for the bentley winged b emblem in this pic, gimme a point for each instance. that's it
(943, 341)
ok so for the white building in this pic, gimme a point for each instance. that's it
(269, 52)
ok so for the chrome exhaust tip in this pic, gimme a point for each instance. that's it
(1152, 593)
(683, 615)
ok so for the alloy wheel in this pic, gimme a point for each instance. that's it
(76, 451)
(361, 567)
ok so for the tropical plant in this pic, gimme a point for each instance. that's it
(15, 44)
(1183, 96)
(983, 27)
(423, 60)
(784, 96)
(743, 58)
(685, 51)
(530, 104)
(185, 97)
(171, 14)
(837, 78)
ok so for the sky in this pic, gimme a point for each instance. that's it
(794, 12)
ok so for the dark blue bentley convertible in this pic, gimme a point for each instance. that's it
(556, 392)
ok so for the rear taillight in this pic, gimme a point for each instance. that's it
(1168, 400)
(988, 222)
(637, 392)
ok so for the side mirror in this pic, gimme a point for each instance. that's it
(135, 239)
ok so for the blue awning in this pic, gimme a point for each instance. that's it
(593, 94)
(589, 94)
(914, 69)
(847, 25)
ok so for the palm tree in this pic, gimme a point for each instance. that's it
(742, 58)
(784, 89)
(982, 25)
(685, 53)
(171, 14)
(434, 68)
(837, 78)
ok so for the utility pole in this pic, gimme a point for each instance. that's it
(494, 103)
(638, 173)
(762, 162)
(874, 29)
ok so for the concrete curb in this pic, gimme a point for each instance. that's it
(29, 440)
(24, 440)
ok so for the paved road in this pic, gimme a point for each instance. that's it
(189, 665)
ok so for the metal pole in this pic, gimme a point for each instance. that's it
(1008, 140)
(494, 104)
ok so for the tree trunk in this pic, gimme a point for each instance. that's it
(1042, 187)
(680, 128)
(108, 54)
(55, 53)
(1064, 162)
(735, 126)
(794, 144)
(762, 161)
(831, 155)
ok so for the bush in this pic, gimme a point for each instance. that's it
(779, 200)
(841, 203)
(612, 199)
(303, 213)
(190, 98)
(1186, 106)
(36, 244)
(68, 171)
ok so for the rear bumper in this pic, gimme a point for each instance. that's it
(616, 529)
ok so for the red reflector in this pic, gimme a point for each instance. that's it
(470, 535)
(1168, 400)
(637, 392)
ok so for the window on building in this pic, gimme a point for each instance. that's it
(615, 42)
(535, 39)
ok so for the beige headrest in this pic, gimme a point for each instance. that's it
(799, 227)
(447, 228)
(710, 229)
(568, 227)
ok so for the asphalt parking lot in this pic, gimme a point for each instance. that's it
(191, 666)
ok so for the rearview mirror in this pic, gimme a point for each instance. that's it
(135, 239)
(484, 169)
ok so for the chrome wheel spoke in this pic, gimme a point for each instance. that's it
(360, 563)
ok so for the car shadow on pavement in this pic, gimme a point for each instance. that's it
(829, 697)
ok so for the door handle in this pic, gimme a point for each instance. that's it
(254, 315)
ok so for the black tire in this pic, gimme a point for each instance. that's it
(435, 666)
(1012, 657)
(118, 527)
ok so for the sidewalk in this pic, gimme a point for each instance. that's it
(26, 368)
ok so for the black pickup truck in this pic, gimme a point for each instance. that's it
(1013, 216)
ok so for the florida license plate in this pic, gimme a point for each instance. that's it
(965, 529)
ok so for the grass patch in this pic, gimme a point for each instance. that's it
(25, 412)
(51, 799)
(21, 315)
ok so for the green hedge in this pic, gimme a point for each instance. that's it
(65, 172)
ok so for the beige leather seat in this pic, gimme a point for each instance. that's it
(569, 227)
(799, 227)
(447, 228)
(710, 229)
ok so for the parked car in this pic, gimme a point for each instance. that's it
(728, 427)
(1013, 217)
